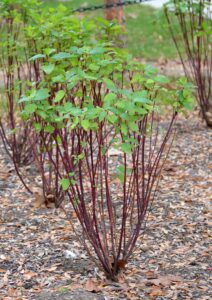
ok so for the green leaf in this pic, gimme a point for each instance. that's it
(49, 128)
(67, 107)
(61, 55)
(140, 97)
(93, 67)
(49, 51)
(75, 122)
(102, 115)
(133, 126)
(141, 111)
(30, 108)
(97, 50)
(122, 104)
(127, 148)
(141, 100)
(41, 94)
(75, 111)
(81, 156)
(24, 99)
(112, 118)
(121, 173)
(73, 181)
(58, 78)
(65, 183)
(162, 79)
(37, 56)
(150, 82)
(109, 97)
(71, 85)
(48, 68)
(37, 126)
(110, 84)
(42, 114)
(29, 97)
(124, 128)
(188, 105)
(85, 124)
(83, 144)
(59, 96)
(59, 141)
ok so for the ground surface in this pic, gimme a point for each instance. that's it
(172, 260)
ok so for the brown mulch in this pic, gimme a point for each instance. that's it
(40, 258)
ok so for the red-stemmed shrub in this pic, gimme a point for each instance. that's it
(193, 43)
(107, 128)
(26, 30)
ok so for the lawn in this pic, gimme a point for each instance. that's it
(148, 35)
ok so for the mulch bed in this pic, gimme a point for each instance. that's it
(41, 259)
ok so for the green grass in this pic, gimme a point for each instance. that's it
(72, 4)
(148, 35)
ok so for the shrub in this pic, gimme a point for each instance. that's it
(104, 115)
(48, 42)
(26, 31)
(193, 44)
(13, 132)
